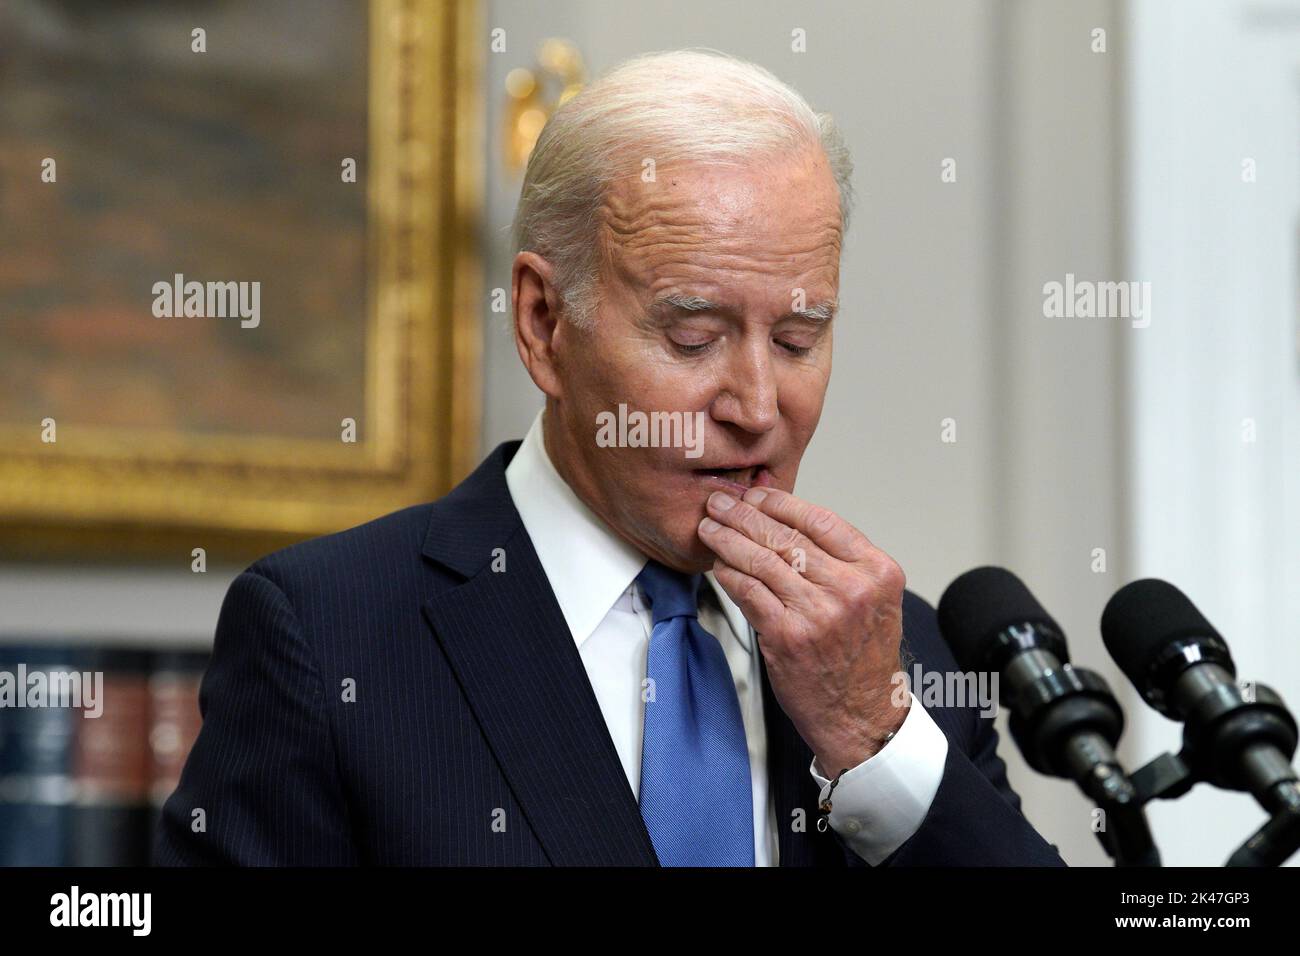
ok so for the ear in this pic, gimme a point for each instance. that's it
(539, 328)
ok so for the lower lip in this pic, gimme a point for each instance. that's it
(761, 480)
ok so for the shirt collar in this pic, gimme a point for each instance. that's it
(588, 566)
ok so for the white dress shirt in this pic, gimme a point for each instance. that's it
(878, 804)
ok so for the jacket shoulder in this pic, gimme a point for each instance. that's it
(345, 556)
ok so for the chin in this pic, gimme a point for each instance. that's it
(693, 557)
(679, 549)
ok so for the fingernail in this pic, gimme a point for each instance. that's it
(755, 496)
(709, 525)
(721, 501)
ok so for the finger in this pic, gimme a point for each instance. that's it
(823, 527)
(754, 559)
(761, 607)
(799, 552)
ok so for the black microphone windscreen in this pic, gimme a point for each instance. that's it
(1143, 619)
(980, 604)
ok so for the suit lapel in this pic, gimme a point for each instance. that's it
(505, 636)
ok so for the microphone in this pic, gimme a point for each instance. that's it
(1064, 719)
(1182, 667)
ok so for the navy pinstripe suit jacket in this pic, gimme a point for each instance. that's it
(382, 696)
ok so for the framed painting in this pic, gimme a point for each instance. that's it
(238, 301)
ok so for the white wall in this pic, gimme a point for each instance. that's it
(148, 606)
(1214, 83)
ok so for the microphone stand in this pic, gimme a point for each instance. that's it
(1279, 837)
(1225, 739)
(1127, 838)
(1066, 723)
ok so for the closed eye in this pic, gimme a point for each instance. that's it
(700, 348)
(693, 349)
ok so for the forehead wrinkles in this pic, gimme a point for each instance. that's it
(648, 211)
(655, 226)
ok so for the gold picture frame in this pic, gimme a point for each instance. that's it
(154, 491)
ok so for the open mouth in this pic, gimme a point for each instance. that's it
(742, 478)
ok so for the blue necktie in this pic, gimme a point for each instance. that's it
(696, 798)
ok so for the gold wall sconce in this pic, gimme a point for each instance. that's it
(532, 95)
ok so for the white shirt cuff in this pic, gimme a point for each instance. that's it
(882, 801)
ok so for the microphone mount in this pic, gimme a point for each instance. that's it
(1223, 734)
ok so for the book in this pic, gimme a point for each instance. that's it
(92, 741)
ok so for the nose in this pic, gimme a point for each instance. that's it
(747, 395)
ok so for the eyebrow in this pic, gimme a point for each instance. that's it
(819, 314)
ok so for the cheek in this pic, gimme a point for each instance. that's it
(650, 475)
(802, 393)
(647, 380)
(611, 368)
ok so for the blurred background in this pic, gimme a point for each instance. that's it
(999, 146)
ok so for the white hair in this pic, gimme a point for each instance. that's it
(700, 106)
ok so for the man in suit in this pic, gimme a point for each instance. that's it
(623, 641)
